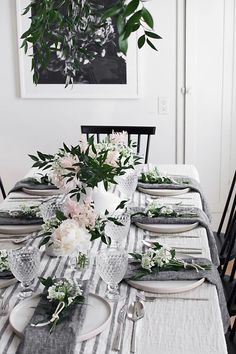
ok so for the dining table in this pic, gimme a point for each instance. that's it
(177, 323)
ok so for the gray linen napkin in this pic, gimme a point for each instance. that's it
(6, 274)
(7, 219)
(192, 184)
(39, 340)
(211, 275)
(201, 218)
(30, 184)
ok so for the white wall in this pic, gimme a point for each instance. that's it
(27, 125)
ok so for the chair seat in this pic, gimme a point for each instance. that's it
(228, 286)
(231, 343)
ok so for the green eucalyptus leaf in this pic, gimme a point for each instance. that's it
(134, 19)
(151, 44)
(141, 41)
(152, 35)
(34, 158)
(147, 17)
(131, 7)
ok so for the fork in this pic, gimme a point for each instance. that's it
(120, 320)
(4, 306)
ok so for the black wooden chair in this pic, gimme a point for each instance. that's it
(231, 339)
(229, 285)
(231, 304)
(228, 250)
(134, 132)
(223, 239)
(2, 189)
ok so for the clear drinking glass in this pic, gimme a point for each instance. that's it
(117, 233)
(112, 264)
(127, 183)
(79, 261)
(24, 265)
(48, 209)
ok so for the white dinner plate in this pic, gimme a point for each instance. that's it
(163, 192)
(97, 316)
(165, 286)
(167, 228)
(19, 229)
(41, 192)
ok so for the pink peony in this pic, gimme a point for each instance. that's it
(119, 137)
(112, 158)
(70, 236)
(83, 213)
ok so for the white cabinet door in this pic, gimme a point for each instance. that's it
(209, 103)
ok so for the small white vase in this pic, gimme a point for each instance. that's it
(104, 200)
(52, 251)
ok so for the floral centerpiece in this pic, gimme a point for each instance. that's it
(72, 228)
(61, 295)
(162, 258)
(87, 164)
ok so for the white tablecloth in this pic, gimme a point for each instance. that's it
(169, 326)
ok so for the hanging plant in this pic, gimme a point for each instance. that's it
(67, 35)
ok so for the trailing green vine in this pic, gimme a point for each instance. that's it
(66, 35)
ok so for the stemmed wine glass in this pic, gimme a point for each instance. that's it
(116, 232)
(127, 184)
(111, 265)
(24, 265)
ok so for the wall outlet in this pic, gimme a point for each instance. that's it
(163, 105)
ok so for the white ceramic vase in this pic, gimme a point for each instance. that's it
(104, 200)
(52, 251)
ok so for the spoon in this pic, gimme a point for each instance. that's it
(135, 313)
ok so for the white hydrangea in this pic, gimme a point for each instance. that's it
(157, 257)
(166, 210)
(162, 256)
(62, 288)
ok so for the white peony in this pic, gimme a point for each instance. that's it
(69, 236)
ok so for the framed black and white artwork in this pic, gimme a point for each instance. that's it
(109, 74)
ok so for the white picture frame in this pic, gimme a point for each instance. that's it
(29, 90)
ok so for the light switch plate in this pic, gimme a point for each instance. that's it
(163, 105)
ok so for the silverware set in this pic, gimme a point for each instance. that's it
(134, 312)
(154, 298)
(192, 250)
(180, 204)
(174, 197)
(156, 234)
